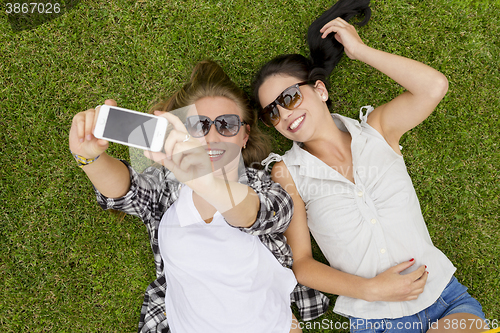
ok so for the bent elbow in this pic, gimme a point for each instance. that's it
(440, 87)
(301, 271)
(299, 275)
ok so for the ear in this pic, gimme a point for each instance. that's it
(320, 88)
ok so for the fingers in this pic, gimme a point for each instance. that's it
(111, 102)
(85, 123)
(419, 273)
(418, 281)
(172, 142)
(404, 265)
(173, 119)
(188, 161)
(82, 140)
(191, 148)
(187, 164)
(333, 26)
(338, 21)
(177, 135)
(79, 125)
(415, 281)
(89, 124)
(96, 114)
(159, 158)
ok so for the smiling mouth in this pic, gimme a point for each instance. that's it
(297, 122)
(215, 153)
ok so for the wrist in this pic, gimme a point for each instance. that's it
(368, 289)
(83, 160)
(360, 52)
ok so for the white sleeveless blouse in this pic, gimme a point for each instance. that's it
(364, 228)
(220, 279)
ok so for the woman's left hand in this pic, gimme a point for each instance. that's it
(184, 155)
(345, 34)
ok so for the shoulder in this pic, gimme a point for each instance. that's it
(281, 175)
(280, 171)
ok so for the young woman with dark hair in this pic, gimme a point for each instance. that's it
(352, 191)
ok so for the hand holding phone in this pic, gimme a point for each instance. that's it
(81, 139)
(184, 155)
(130, 128)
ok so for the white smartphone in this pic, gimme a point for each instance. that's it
(131, 128)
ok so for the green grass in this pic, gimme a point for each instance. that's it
(67, 266)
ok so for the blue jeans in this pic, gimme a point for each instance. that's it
(454, 299)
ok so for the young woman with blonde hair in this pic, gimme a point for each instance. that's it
(213, 226)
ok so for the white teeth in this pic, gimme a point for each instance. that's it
(215, 153)
(296, 123)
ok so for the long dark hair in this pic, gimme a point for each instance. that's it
(324, 53)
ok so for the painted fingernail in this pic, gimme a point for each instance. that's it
(425, 266)
(412, 259)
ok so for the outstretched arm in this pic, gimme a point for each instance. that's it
(425, 86)
(387, 286)
(109, 175)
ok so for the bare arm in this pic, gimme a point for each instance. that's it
(425, 86)
(387, 286)
(110, 176)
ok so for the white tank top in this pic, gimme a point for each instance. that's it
(220, 279)
(364, 228)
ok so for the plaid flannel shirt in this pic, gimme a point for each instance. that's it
(153, 191)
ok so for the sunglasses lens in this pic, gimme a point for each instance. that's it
(228, 124)
(270, 115)
(291, 98)
(198, 126)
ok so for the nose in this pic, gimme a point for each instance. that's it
(284, 113)
(213, 135)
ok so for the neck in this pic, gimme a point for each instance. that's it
(228, 172)
(330, 142)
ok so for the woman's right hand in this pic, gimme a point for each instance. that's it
(392, 286)
(345, 34)
(81, 138)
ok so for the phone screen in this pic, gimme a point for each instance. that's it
(129, 127)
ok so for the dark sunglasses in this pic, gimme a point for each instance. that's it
(290, 99)
(227, 125)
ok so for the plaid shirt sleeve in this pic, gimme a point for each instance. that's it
(151, 193)
(276, 205)
(310, 302)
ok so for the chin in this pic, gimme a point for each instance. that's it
(227, 162)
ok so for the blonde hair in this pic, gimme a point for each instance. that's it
(208, 79)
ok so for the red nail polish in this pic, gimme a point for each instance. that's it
(412, 259)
